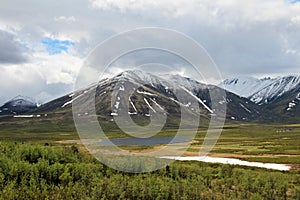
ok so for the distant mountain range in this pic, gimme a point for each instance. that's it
(262, 91)
(139, 92)
(278, 98)
(18, 105)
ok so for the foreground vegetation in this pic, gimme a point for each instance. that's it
(36, 164)
(36, 171)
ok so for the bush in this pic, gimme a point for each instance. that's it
(46, 172)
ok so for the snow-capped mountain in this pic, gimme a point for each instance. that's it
(18, 105)
(137, 93)
(166, 80)
(276, 89)
(245, 86)
(286, 107)
(261, 91)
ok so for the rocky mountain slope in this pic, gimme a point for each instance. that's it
(262, 91)
(278, 98)
(141, 94)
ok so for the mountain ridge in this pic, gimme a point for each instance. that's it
(261, 91)
(155, 92)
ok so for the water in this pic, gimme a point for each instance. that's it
(231, 161)
(152, 141)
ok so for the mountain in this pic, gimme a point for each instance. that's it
(278, 88)
(140, 94)
(286, 107)
(245, 86)
(262, 91)
(18, 105)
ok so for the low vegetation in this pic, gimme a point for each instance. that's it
(35, 171)
(35, 163)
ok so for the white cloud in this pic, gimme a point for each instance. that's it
(44, 78)
(228, 10)
(59, 68)
(169, 8)
(69, 19)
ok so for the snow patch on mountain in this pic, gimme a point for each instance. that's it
(244, 107)
(298, 96)
(199, 100)
(71, 101)
(153, 100)
(146, 93)
(293, 103)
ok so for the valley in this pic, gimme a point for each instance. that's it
(253, 131)
(51, 150)
(276, 143)
(259, 143)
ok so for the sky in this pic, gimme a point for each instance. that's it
(43, 44)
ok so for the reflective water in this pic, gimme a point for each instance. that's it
(232, 161)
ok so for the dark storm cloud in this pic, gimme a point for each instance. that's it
(11, 50)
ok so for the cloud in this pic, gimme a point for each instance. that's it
(44, 78)
(11, 50)
(243, 37)
(46, 48)
(69, 19)
(58, 68)
(168, 7)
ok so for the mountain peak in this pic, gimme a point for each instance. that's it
(132, 72)
(166, 80)
(243, 86)
(265, 78)
(18, 105)
(25, 98)
(239, 79)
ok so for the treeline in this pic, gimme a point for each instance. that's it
(31, 171)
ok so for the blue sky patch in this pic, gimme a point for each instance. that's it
(55, 46)
(294, 1)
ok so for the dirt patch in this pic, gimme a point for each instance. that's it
(295, 167)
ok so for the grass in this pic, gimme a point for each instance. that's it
(282, 159)
(256, 139)
(245, 139)
(37, 130)
(30, 169)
